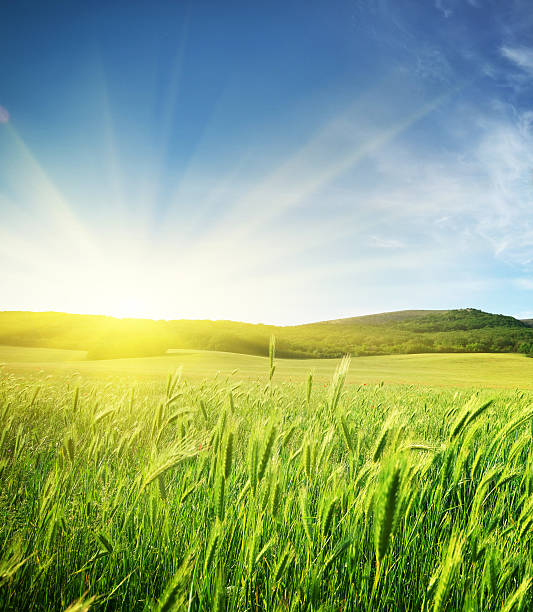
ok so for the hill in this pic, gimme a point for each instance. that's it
(402, 332)
(384, 318)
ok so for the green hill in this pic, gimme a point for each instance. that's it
(385, 318)
(409, 331)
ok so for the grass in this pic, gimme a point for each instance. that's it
(122, 491)
(496, 370)
(18, 354)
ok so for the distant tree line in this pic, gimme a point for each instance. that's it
(466, 330)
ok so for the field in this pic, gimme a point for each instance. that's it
(265, 488)
(471, 370)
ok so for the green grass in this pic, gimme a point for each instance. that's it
(494, 370)
(124, 489)
(22, 354)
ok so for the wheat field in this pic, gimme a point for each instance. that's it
(221, 494)
(453, 370)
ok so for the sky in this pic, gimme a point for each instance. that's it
(275, 162)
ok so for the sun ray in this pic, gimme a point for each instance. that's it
(36, 190)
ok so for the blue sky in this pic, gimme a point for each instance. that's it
(276, 162)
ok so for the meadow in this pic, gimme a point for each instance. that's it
(465, 370)
(245, 483)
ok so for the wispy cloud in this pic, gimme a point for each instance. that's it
(388, 192)
(442, 6)
(521, 56)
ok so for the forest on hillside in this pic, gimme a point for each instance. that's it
(465, 330)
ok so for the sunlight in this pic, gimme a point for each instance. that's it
(251, 260)
(35, 190)
(122, 272)
(318, 163)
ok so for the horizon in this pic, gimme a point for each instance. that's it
(266, 324)
(288, 164)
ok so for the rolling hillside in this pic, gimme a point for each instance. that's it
(385, 318)
(403, 332)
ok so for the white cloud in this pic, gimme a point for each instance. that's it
(440, 5)
(521, 56)
(478, 201)
(432, 219)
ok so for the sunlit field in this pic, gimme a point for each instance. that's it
(465, 370)
(264, 488)
(266, 317)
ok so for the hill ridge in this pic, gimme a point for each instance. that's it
(396, 332)
(391, 315)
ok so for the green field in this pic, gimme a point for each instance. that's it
(122, 487)
(493, 370)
